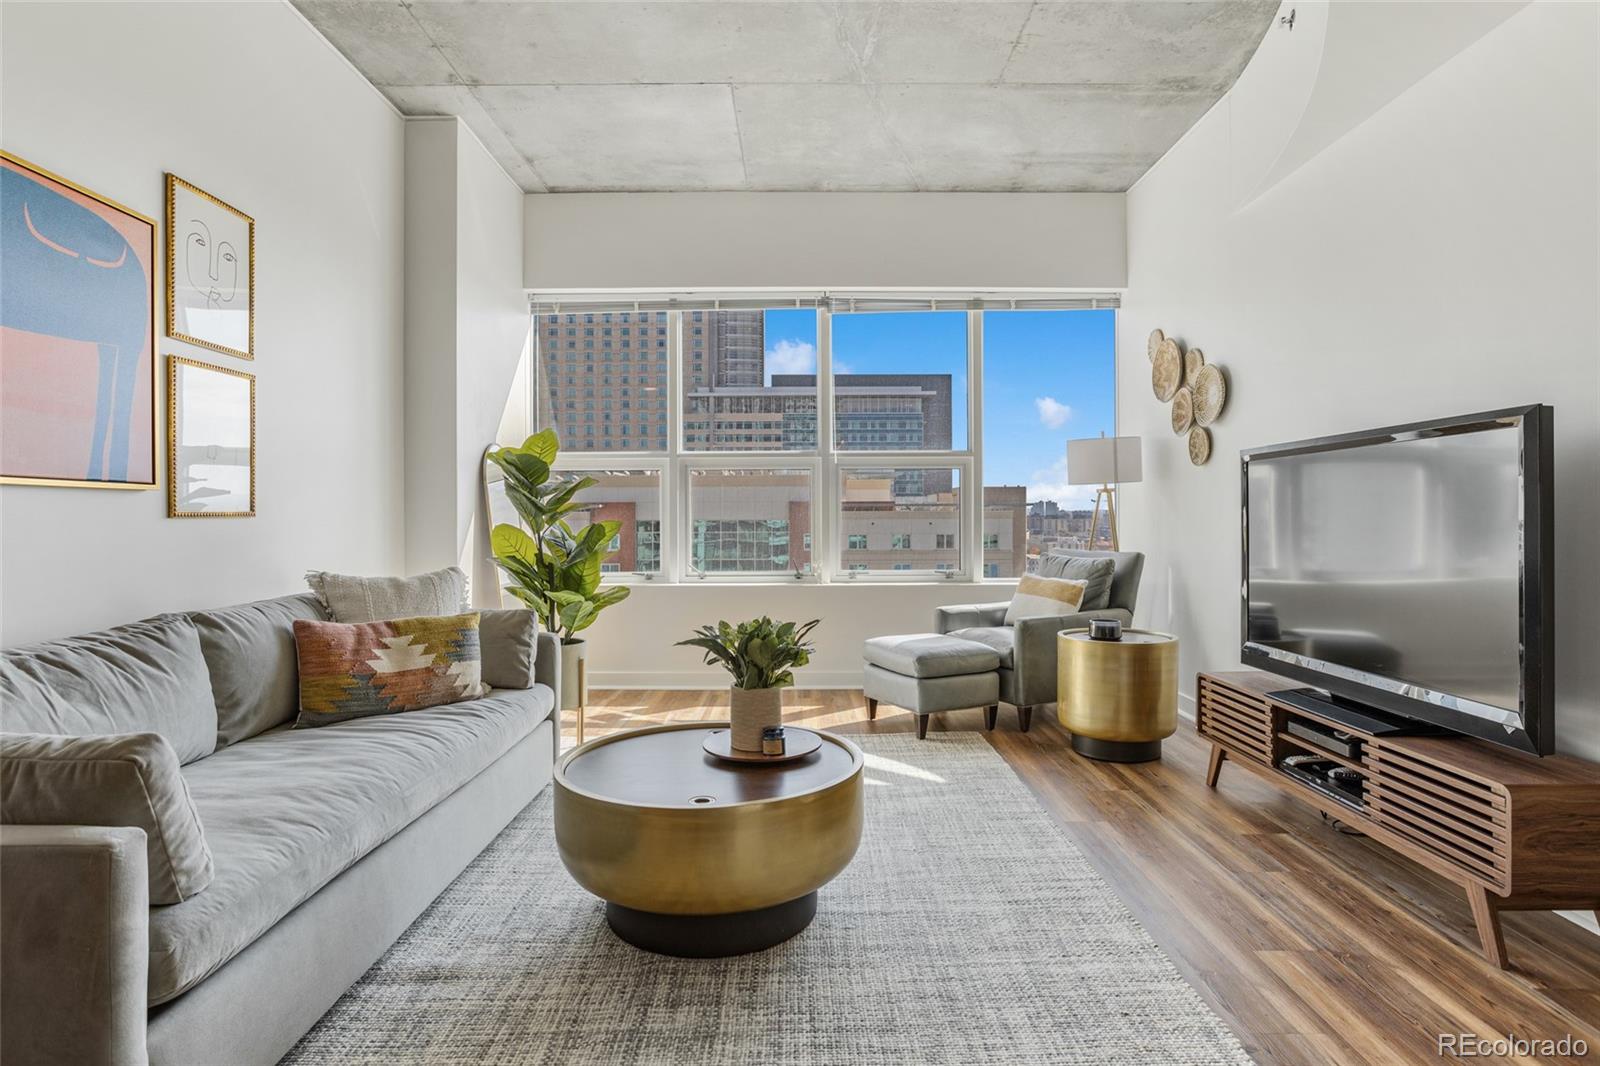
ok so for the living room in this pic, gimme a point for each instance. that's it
(896, 532)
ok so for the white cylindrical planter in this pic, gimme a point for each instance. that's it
(751, 710)
(572, 696)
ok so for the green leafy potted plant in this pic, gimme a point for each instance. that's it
(761, 655)
(553, 569)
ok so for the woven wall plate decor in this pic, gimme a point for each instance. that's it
(1193, 360)
(1156, 339)
(1199, 445)
(1210, 394)
(1166, 373)
(1182, 411)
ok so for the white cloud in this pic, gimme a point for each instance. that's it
(1051, 484)
(788, 356)
(1052, 412)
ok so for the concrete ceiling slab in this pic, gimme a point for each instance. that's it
(592, 95)
(604, 138)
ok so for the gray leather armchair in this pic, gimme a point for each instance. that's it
(1028, 649)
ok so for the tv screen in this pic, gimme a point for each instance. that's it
(1407, 568)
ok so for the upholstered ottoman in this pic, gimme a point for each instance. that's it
(928, 672)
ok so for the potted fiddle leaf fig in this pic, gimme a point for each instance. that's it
(761, 655)
(553, 568)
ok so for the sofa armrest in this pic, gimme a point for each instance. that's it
(969, 616)
(1035, 655)
(74, 945)
(547, 664)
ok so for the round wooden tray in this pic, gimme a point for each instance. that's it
(799, 742)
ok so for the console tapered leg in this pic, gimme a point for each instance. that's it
(1488, 919)
(1214, 767)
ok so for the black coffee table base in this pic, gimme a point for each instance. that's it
(712, 936)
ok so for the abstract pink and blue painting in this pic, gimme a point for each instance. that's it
(77, 334)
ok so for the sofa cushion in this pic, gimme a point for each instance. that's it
(1095, 572)
(143, 677)
(929, 655)
(289, 810)
(510, 642)
(249, 651)
(374, 599)
(119, 779)
(370, 668)
(1003, 639)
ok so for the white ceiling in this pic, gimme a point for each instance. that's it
(990, 95)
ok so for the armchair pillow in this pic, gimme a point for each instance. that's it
(1045, 597)
(112, 779)
(369, 668)
(1096, 573)
(375, 599)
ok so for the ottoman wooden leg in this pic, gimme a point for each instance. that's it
(922, 727)
(1024, 718)
(990, 713)
(872, 710)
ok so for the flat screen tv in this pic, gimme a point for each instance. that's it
(1409, 570)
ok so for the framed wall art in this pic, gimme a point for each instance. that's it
(211, 271)
(77, 335)
(211, 441)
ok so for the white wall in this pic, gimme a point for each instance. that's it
(467, 328)
(632, 644)
(1436, 257)
(248, 102)
(725, 240)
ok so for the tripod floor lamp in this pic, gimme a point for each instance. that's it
(1106, 462)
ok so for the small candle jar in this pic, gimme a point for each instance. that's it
(1105, 629)
(772, 742)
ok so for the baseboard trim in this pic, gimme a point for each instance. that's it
(680, 680)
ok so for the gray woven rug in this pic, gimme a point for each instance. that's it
(969, 929)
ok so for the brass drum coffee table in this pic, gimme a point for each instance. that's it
(698, 857)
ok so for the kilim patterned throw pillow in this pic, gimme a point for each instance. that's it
(368, 668)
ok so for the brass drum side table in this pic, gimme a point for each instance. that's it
(1118, 698)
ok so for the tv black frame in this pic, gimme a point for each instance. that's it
(1537, 581)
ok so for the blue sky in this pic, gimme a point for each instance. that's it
(1049, 376)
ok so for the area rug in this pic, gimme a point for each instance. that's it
(969, 929)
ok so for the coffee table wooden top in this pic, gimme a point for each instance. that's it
(667, 766)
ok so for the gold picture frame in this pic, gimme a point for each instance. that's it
(209, 281)
(44, 178)
(182, 490)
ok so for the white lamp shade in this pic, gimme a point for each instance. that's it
(1104, 461)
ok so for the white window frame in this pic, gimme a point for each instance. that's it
(827, 465)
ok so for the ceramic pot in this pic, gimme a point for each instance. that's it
(571, 655)
(750, 710)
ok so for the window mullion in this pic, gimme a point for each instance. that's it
(827, 561)
(972, 510)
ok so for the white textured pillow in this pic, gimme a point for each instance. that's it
(1045, 597)
(382, 599)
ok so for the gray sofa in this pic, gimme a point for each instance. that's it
(326, 843)
(1028, 649)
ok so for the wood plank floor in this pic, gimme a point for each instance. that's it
(1313, 945)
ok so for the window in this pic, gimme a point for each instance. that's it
(749, 520)
(1028, 417)
(916, 511)
(900, 381)
(750, 384)
(631, 498)
(724, 406)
